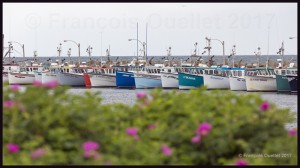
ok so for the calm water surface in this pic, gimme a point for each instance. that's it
(128, 96)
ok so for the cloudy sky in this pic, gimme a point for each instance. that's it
(43, 26)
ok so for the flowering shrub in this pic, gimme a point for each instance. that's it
(45, 125)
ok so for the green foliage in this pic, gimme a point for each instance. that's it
(60, 123)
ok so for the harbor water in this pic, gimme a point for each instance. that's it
(128, 96)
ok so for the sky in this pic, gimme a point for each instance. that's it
(43, 26)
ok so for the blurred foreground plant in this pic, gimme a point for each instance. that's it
(45, 125)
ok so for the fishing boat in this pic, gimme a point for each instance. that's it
(6, 68)
(219, 79)
(53, 71)
(125, 76)
(103, 77)
(20, 78)
(149, 78)
(282, 82)
(293, 82)
(169, 76)
(169, 80)
(282, 70)
(260, 79)
(237, 79)
(190, 77)
(74, 77)
(125, 79)
(25, 76)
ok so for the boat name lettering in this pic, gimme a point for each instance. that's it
(218, 78)
(187, 77)
(71, 75)
(254, 79)
(172, 77)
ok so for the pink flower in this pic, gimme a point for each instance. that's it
(15, 87)
(13, 148)
(151, 126)
(196, 139)
(264, 106)
(241, 163)
(292, 132)
(37, 153)
(141, 95)
(91, 153)
(8, 103)
(90, 145)
(51, 84)
(37, 83)
(132, 131)
(166, 150)
(204, 128)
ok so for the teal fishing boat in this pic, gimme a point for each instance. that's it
(282, 80)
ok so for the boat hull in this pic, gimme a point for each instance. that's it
(38, 76)
(87, 80)
(102, 80)
(125, 79)
(293, 82)
(282, 83)
(5, 77)
(216, 82)
(260, 84)
(237, 84)
(189, 81)
(48, 77)
(71, 79)
(169, 80)
(147, 81)
(21, 79)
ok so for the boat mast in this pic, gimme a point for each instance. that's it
(169, 54)
(281, 52)
(208, 47)
(10, 47)
(89, 51)
(59, 51)
(258, 54)
(34, 55)
(233, 51)
(69, 54)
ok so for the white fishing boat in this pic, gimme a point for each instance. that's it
(20, 78)
(25, 76)
(169, 80)
(237, 79)
(169, 77)
(48, 76)
(218, 80)
(103, 77)
(260, 79)
(9, 68)
(72, 78)
(52, 73)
